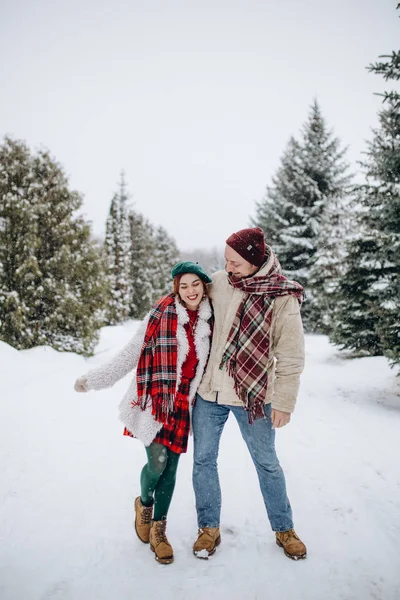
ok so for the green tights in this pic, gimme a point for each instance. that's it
(157, 479)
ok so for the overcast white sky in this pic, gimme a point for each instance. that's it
(194, 100)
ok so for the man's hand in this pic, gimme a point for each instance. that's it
(279, 418)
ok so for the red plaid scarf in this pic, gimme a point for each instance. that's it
(247, 349)
(157, 366)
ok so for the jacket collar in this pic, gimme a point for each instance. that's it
(204, 311)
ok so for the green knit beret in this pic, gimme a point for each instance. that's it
(188, 266)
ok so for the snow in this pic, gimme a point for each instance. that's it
(69, 478)
(202, 554)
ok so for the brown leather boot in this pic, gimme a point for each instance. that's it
(159, 542)
(143, 520)
(208, 538)
(292, 545)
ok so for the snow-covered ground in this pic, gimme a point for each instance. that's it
(69, 477)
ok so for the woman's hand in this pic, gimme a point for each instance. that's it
(81, 384)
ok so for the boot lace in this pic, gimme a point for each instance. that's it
(205, 532)
(161, 536)
(146, 515)
(285, 536)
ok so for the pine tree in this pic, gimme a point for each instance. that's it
(19, 270)
(278, 212)
(325, 164)
(139, 258)
(142, 251)
(165, 255)
(118, 257)
(373, 276)
(53, 272)
(355, 315)
(390, 69)
(382, 197)
(301, 211)
(69, 314)
(336, 226)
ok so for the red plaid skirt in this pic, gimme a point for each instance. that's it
(175, 433)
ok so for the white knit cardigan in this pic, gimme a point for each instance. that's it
(142, 423)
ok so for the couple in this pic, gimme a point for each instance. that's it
(252, 370)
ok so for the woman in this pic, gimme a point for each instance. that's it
(169, 352)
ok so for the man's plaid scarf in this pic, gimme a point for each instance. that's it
(157, 366)
(247, 349)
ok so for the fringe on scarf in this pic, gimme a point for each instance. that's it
(162, 405)
(251, 404)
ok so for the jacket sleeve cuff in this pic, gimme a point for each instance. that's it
(283, 406)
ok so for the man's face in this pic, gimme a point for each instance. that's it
(238, 266)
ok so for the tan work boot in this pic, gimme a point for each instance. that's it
(292, 545)
(143, 520)
(208, 539)
(159, 542)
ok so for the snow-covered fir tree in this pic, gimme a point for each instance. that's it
(142, 268)
(302, 211)
(324, 162)
(139, 258)
(72, 284)
(275, 214)
(117, 248)
(337, 226)
(368, 300)
(52, 281)
(165, 255)
(390, 70)
(19, 270)
(356, 296)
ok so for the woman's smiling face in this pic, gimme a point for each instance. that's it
(191, 289)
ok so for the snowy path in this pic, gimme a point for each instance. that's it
(69, 478)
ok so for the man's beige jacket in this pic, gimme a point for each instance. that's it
(286, 360)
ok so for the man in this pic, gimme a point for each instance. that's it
(257, 356)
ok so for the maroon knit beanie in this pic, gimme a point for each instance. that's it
(250, 244)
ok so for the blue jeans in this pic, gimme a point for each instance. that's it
(209, 419)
